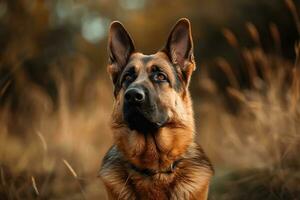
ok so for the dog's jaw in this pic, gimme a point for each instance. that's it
(155, 150)
(136, 121)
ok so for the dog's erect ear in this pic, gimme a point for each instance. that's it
(120, 47)
(179, 48)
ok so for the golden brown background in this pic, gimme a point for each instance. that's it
(56, 97)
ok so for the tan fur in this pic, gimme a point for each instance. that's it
(174, 141)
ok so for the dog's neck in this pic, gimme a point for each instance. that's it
(152, 172)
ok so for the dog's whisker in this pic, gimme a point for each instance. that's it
(123, 188)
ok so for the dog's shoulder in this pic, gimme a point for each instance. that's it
(112, 160)
(193, 175)
(196, 157)
(114, 176)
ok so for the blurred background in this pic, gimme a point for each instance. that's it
(56, 97)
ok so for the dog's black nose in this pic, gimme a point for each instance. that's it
(135, 95)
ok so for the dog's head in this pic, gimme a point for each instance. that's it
(151, 91)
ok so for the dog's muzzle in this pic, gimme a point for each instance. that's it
(141, 110)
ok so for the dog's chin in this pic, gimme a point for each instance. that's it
(139, 121)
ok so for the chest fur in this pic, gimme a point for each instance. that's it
(182, 184)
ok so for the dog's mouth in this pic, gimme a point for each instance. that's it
(143, 121)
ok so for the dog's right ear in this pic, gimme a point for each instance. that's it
(120, 47)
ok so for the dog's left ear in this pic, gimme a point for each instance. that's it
(179, 49)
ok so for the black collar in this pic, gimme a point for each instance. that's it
(152, 172)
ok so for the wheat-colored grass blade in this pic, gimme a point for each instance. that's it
(230, 37)
(34, 186)
(275, 36)
(227, 69)
(253, 32)
(43, 140)
(262, 59)
(250, 65)
(292, 7)
(4, 88)
(236, 94)
(70, 168)
(297, 52)
(2, 176)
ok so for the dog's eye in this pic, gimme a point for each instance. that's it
(160, 77)
(127, 78)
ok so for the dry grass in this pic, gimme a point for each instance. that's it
(255, 151)
(59, 153)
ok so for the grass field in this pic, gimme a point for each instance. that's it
(53, 150)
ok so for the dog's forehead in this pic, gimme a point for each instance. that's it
(142, 60)
(146, 63)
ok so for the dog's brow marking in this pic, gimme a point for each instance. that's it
(130, 69)
(135, 60)
(147, 58)
(163, 66)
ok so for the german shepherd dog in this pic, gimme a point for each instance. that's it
(154, 155)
